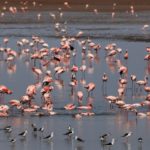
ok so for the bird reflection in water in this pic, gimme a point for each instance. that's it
(11, 69)
(126, 146)
(79, 147)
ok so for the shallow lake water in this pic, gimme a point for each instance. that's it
(126, 31)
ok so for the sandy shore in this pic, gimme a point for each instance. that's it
(79, 5)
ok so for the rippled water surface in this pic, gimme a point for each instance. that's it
(126, 31)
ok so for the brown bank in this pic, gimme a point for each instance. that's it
(81, 5)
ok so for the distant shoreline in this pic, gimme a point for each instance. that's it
(100, 8)
(80, 5)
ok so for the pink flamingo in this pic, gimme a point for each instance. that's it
(147, 89)
(37, 71)
(133, 79)
(90, 87)
(80, 97)
(123, 70)
(142, 82)
(87, 107)
(126, 55)
(70, 107)
(104, 86)
(14, 102)
(5, 90)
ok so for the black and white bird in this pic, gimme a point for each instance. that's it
(69, 128)
(103, 137)
(140, 139)
(23, 134)
(8, 129)
(69, 132)
(41, 129)
(49, 137)
(79, 139)
(33, 125)
(128, 134)
(12, 140)
(110, 143)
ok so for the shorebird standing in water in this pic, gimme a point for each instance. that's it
(140, 141)
(23, 134)
(127, 135)
(69, 132)
(103, 137)
(13, 140)
(79, 139)
(110, 143)
(49, 137)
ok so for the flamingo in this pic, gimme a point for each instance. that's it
(104, 86)
(126, 55)
(89, 106)
(112, 53)
(37, 71)
(133, 79)
(29, 110)
(47, 79)
(142, 82)
(147, 57)
(80, 97)
(148, 49)
(4, 108)
(59, 70)
(148, 97)
(31, 90)
(147, 89)
(70, 106)
(90, 87)
(123, 70)
(112, 99)
(4, 114)
(5, 90)
(74, 69)
(123, 82)
(15, 103)
(5, 40)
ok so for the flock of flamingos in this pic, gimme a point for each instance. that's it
(41, 56)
